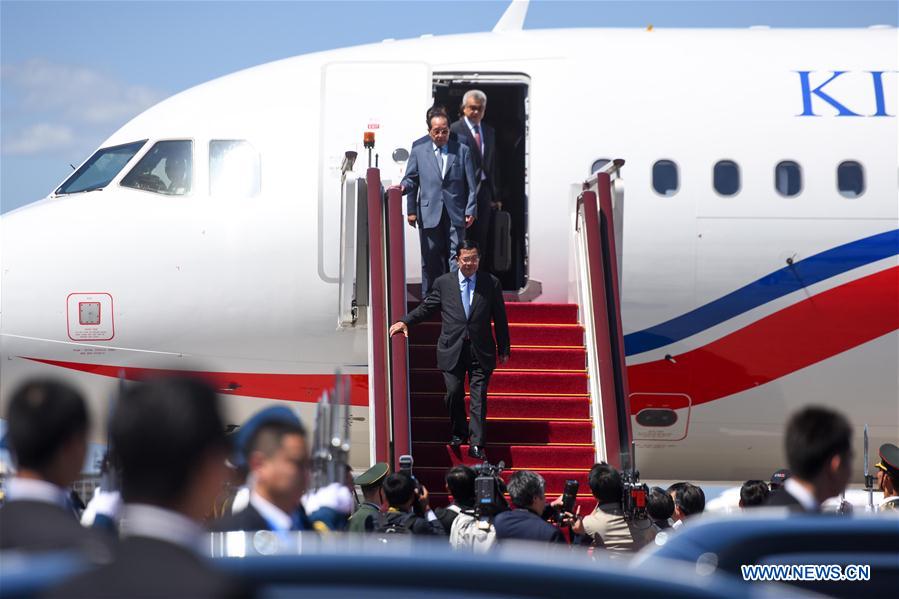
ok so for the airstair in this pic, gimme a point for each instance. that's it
(557, 407)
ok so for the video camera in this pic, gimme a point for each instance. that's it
(633, 492)
(489, 490)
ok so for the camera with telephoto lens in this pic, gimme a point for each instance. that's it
(569, 497)
(489, 490)
(406, 463)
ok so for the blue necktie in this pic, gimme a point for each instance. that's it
(466, 301)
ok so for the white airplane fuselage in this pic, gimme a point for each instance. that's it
(737, 310)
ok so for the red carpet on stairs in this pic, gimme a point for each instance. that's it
(538, 408)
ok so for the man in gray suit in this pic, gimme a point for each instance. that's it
(442, 197)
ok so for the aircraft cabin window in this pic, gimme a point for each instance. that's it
(850, 179)
(665, 178)
(788, 178)
(166, 168)
(101, 168)
(726, 177)
(234, 169)
(598, 164)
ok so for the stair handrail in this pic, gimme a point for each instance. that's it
(399, 356)
(379, 396)
(600, 313)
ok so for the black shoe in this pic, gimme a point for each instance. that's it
(476, 451)
(456, 441)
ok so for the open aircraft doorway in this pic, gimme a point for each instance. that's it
(507, 113)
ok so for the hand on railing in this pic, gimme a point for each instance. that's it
(398, 327)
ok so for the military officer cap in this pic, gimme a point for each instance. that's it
(373, 475)
(242, 435)
(889, 460)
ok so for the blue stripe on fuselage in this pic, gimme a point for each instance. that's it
(770, 287)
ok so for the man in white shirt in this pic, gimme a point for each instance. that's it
(171, 446)
(442, 197)
(47, 437)
(818, 445)
(480, 137)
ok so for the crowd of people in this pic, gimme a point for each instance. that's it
(172, 458)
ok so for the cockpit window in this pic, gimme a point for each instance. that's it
(234, 169)
(165, 169)
(101, 168)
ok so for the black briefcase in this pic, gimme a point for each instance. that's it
(502, 241)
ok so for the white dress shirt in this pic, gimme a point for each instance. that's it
(154, 522)
(29, 489)
(802, 495)
(279, 520)
(471, 127)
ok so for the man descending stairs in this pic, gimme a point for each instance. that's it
(538, 410)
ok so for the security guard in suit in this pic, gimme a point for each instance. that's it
(888, 477)
(365, 516)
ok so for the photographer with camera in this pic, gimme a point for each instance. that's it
(403, 497)
(608, 527)
(460, 485)
(528, 492)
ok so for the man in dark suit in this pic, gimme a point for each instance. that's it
(481, 139)
(278, 457)
(528, 493)
(441, 189)
(819, 453)
(47, 437)
(468, 302)
(273, 443)
(170, 444)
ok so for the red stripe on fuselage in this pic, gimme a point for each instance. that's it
(288, 387)
(793, 338)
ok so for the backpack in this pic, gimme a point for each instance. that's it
(469, 533)
(402, 526)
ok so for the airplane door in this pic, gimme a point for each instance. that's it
(387, 98)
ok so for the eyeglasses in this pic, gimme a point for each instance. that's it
(474, 108)
(440, 131)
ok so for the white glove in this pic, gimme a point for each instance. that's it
(335, 496)
(103, 502)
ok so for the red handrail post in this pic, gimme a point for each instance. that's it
(378, 324)
(399, 358)
(604, 182)
(601, 331)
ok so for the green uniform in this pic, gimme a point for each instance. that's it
(364, 518)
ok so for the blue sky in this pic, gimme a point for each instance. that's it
(73, 72)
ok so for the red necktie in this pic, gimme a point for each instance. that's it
(477, 137)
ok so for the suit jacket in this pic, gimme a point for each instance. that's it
(39, 526)
(781, 498)
(246, 519)
(146, 567)
(487, 305)
(429, 192)
(485, 164)
(525, 525)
